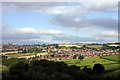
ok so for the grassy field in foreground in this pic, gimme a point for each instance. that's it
(108, 64)
(114, 73)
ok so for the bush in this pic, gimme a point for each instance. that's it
(98, 68)
(81, 57)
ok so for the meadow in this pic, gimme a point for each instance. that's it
(89, 62)
(3, 67)
(14, 55)
(111, 63)
(112, 57)
(23, 55)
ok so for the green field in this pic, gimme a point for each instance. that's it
(3, 68)
(108, 64)
(112, 57)
(115, 73)
(19, 55)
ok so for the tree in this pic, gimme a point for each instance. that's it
(24, 51)
(84, 46)
(74, 57)
(98, 68)
(56, 46)
(87, 70)
(4, 59)
(19, 69)
(73, 47)
(104, 45)
(48, 70)
(81, 57)
(10, 61)
(35, 54)
(75, 67)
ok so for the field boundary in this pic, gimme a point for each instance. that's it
(110, 59)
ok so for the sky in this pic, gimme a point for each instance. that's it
(59, 22)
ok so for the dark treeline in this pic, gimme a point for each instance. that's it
(50, 70)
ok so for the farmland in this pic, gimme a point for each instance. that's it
(112, 57)
(3, 67)
(23, 55)
(94, 46)
(89, 62)
(18, 55)
(109, 62)
(73, 60)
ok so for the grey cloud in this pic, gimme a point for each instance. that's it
(110, 34)
(89, 5)
(32, 6)
(102, 23)
(9, 33)
(75, 19)
(62, 39)
(101, 6)
(77, 39)
(26, 33)
(67, 14)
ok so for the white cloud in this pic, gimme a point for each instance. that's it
(27, 33)
(25, 30)
(65, 11)
(53, 32)
(108, 5)
(72, 16)
(29, 30)
(60, 1)
(30, 35)
(111, 34)
(77, 39)
(101, 23)
(63, 7)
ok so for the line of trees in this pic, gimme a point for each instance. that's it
(50, 70)
(81, 57)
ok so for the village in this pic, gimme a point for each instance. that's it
(60, 51)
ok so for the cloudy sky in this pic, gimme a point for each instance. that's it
(59, 22)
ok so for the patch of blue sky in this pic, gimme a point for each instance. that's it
(36, 20)
(25, 19)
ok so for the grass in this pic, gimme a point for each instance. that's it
(3, 68)
(115, 73)
(108, 64)
(112, 57)
(18, 55)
